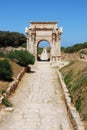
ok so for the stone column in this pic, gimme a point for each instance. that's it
(35, 51)
(33, 43)
(27, 43)
(59, 50)
(53, 50)
(59, 45)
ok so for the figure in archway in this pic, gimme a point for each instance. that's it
(44, 55)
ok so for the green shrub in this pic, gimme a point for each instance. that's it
(6, 102)
(2, 54)
(5, 70)
(11, 55)
(23, 57)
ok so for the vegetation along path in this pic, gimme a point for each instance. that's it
(38, 103)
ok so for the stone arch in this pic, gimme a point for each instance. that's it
(48, 31)
(45, 39)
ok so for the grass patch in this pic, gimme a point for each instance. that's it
(68, 77)
(2, 91)
(78, 104)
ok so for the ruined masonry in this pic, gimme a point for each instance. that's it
(44, 31)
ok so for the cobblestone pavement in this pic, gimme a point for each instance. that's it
(38, 103)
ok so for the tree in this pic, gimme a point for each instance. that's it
(75, 47)
(14, 39)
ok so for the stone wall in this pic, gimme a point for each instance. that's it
(12, 86)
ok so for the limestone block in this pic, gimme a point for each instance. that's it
(9, 109)
(1, 98)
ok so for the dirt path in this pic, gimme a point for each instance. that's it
(38, 103)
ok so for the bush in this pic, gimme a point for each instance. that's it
(2, 54)
(6, 102)
(11, 55)
(5, 70)
(22, 57)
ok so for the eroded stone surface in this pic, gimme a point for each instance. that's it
(38, 103)
(48, 31)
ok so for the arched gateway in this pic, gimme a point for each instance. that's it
(44, 31)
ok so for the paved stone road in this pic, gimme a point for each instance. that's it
(38, 103)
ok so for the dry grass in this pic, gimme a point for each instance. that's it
(77, 86)
(16, 68)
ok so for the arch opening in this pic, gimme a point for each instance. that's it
(43, 51)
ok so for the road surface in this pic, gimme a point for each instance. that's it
(38, 103)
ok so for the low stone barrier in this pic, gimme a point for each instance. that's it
(12, 86)
(72, 112)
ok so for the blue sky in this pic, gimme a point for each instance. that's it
(15, 15)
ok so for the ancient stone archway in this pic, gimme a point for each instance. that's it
(48, 31)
